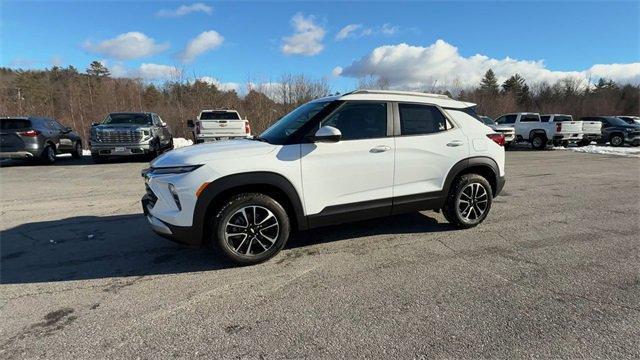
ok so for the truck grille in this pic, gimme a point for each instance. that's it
(118, 136)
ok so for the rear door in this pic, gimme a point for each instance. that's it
(355, 174)
(65, 141)
(428, 145)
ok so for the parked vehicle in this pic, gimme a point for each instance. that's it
(591, 131)
(631, 120)
(220, 124)
(529, 128)
(29, 137)
(571, 130)
(360, 155)
(616, 131)
(509, 132)
(130, 133)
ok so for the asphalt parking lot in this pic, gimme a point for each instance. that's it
(553, 272)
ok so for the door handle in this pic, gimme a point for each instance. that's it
(380, 149)
(455, 143)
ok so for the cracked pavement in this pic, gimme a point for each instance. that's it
(554, 272)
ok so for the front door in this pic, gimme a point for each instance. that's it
(351, 178)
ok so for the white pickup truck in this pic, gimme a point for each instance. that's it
(219, 124)
(567, 130)
(530, 128)
(591, 131)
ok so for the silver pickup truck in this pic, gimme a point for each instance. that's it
(129, 133)
(219, 124)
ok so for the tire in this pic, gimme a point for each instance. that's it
(465, 187)
(539, 142)
(616, 140)
(557, 143)
(259, 240)
(154, 151)
(48, 155)
(584, 142)
(565, 143)
(170, 146)
(77, 152)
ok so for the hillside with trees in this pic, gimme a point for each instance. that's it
(78, 98)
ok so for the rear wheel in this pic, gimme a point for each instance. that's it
(468, 202)
(584, 142)
(250, 228)
(539, 141)
(616, 140)
(77, 152)
(48, 155)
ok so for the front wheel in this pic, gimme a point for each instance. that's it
(468, 202)
(616, 140)
(77, 152)
(48, 155)
(250, 228)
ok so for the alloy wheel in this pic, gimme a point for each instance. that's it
(252, 230)
(472, 202)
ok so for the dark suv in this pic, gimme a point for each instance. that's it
(37, 138)
(616, 131)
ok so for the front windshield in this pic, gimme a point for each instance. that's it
(290, 123)
(127, 119)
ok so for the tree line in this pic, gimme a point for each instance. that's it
(78, 99)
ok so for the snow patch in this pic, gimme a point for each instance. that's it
(605, 150)
(181, 142)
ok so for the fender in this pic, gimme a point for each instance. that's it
(462, 165)
(229, 182)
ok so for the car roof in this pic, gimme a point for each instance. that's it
(555, 115)
(219, 110)
(401, 96)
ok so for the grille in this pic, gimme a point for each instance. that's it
(151, 196)
(118, 136)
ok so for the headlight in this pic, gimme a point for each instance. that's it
(171, 170)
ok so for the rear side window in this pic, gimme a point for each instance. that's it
(530, 118)
(12, 124)
(507, 119)
(562, 118)
(355, 120)
(219, 115)
(545, 118)
(421, 119)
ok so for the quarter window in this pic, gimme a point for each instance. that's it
(366, 120)
(421, 119)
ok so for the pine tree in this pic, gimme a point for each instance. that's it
(489, 83)
(97, 69)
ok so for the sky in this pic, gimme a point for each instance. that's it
(413, 45)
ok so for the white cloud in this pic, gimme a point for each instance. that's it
(223, 86)
(388, 29)
(185, 10)
(208, 40)
(154, 72)
(307, 38)
(348, 30)
(440, 64)
(127, 46)
(337, 71)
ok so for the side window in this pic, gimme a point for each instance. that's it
(53, 125)
(545, 118)
(421, 119)
(529, 118)
(500, 120)
(510, 119)
(360, 120)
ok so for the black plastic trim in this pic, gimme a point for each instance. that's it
(339, 214)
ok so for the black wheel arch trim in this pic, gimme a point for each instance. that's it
(478, 161)
(229, 182)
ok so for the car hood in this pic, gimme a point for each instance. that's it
(203, 153)
(121, 127)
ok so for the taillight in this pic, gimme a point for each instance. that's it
(30, 133)
(247, 127)
(497, 138)
(558, 127)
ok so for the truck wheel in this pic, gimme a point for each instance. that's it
(48, 155)
(77, 152)
(154, 150)
(584, 142)
(250, 228)
(539, 142)
(616, 140)
(170, 147)
(565, 143)
(468, 202)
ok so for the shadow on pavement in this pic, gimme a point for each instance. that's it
(94, 247)
(67, 160)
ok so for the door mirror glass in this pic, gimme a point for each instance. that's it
(327, 134)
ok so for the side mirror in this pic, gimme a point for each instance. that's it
(190, 123)
(94, 124)
(67, 130)
(327, 134)
(163, 124)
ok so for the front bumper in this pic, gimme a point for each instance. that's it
(119, 149)
(180, 234)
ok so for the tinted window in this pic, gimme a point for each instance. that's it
(128, 119)
(507, 119)
(360, 120)
(545, 118)
(219, 115)
(421, 119)
(561, 118)
(11, 124)
(529, 118)
(279, 132)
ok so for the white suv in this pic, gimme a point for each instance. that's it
(338, 159)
